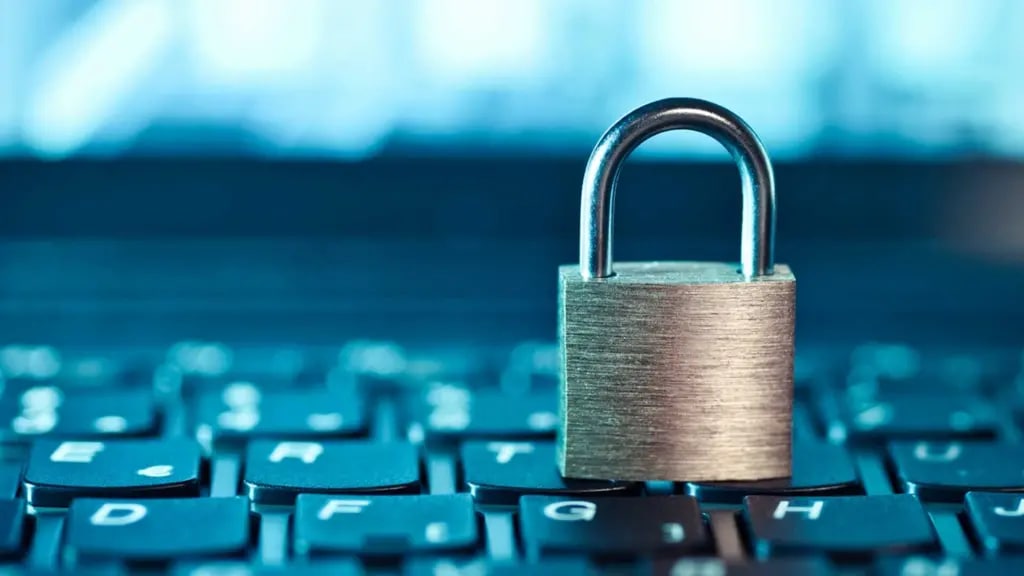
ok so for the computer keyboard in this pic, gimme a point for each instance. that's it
(206, 459)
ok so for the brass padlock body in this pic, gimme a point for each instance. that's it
(676, 371)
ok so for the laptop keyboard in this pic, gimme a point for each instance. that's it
(203, 459)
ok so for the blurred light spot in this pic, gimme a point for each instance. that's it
(111, 424)
(480, 40)
(92, 70)
(239, 41)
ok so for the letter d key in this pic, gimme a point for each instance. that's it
(676, 370)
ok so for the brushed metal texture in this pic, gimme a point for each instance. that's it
(678, 371)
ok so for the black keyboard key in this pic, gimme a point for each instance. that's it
(818, 469)
(840, 526)
(483, 567)
(945, 471)
(925, 566)
(276, 472)
(384, 525)
(500, 472)
(451, 412)
(12, 528)
(998, 520)
(340, 567)
(612, 527)
(903, 416)
(101, 530)
(58, 472)
(239, 412)
(52, 411)
(719, 567)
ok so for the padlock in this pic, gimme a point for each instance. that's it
(676, 370)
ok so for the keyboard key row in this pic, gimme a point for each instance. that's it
(494, 472)
(228, 417)
(842, 528)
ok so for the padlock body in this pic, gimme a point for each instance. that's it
(678, 371)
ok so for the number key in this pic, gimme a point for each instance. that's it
(905, 416)
(52, 411)
(240, 412)
(454, 412)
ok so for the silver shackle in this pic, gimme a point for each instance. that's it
(599, 179)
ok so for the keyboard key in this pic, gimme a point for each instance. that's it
(718, 567)
(23, 367)
(501, 472)
(341, 567)
(916, 417)
(58, 472)
(611, 527)
(880, 369)
(49, 410)
(384, 525)
(840, 526)
(450, 412)
(482, 567)
(156, 530)
(945, 471)
(12, 528)
(818, 469)
(276, 472)
(924, 566)
(998, 520)
(240, 412)
(10, 480)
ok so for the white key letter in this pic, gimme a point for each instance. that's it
(813, 511)
(571, 510)
(1000, 511)
(923, 452)
(111, 514)
(341, 507)
(308, 452)
(505, 451)
(81, 452)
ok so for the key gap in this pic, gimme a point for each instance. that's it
(225, 470)
(273, 538)
(173, 420)
(43, 555)
(951, 533)
(873, 474)
(385, 420)
(726, 533)
(501, 535)
(441, 473)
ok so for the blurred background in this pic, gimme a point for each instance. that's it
(326, 169)
(352, 79)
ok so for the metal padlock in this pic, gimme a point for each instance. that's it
(676, 370)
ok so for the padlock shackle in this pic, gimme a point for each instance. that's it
(757, 245)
